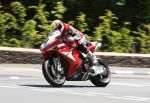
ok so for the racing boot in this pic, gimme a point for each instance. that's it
(94, 69)
(90, 58)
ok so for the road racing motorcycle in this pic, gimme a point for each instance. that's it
(63, 62)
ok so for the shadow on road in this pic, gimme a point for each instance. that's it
(64, 86)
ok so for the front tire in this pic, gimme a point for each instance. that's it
(52, 75)
(102, 80)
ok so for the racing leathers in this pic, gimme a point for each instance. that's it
(69, 34)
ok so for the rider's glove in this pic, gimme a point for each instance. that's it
(77, 37)
(70, 39)
(73, 38)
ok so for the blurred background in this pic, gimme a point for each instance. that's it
(120, 25)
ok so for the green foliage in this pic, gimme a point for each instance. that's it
(7, 23)
(41, 14)
(71, 22)
(136, 11)
(59, 10)
(29, 33)
(113, 39)
(117, 23)
(29, 29)
(81, 22)
(121, 41)
(13, 42)
(42, 26)
(104, 28)
(143, 36)
(19, 11)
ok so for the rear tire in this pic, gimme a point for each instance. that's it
(48, 69)
(102, 80)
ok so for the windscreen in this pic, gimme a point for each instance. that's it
(51, 37)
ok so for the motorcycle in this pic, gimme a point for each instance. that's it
(62, 62)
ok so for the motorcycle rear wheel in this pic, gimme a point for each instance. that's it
(102, 80)
(51, 75)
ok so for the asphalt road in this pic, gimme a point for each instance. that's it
(24, 83)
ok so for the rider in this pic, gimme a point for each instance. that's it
(69, 34)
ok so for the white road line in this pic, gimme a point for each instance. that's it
(64, 91)
(12, 86)
(53, 90)
(14, 77)
(131, 98)
(105, 94)
(134, 85)
(77, 93)
(123, 72)
(124, 98)
(20, 69)
(73, 92)
(144, 98)
(67, 91)
(130, 72)
(42, 90)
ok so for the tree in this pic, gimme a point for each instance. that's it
(136, 11)
(59, 10)
(81, 22)
(19, 11)
(124, 22)
(8, 24)
(113, 39)
(143, 37)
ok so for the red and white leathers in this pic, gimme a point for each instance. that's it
(69, 33)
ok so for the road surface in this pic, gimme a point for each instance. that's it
(24, 83)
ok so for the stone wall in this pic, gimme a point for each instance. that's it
(125, 59)
(20, 57)
(33, 56)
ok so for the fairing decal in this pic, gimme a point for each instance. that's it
(69, 54)
(64, 53)
(60, 45)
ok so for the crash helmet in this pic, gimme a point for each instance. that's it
(57, 24)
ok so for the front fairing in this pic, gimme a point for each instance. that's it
(51, 37)
(50, 43)
(54, 45)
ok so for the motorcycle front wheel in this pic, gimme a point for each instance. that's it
(102, 80)
(53, 72)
